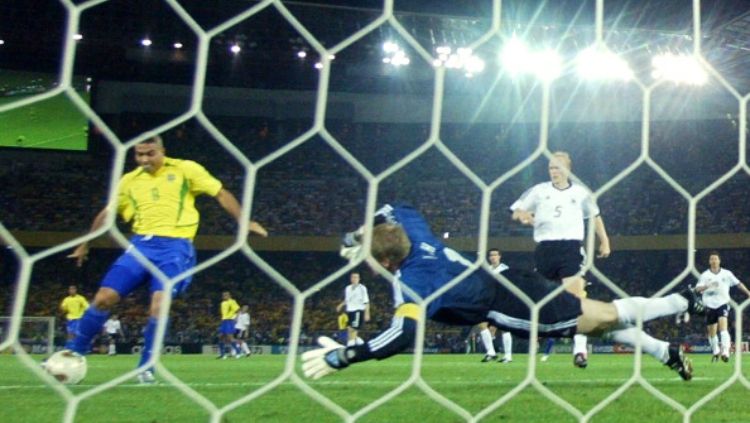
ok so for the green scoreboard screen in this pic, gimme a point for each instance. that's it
(54, 123)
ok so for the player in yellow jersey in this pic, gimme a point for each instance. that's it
(158, 198)
(73, 306)
(229, 309)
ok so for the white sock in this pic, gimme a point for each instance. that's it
(112, 349)
(358, 341)
(244, 347)
(725, 341)
(650, 345)
(714, 341)
(579, 344)
(351, 342)
(508, 345)
(628, 308)
(487, 341)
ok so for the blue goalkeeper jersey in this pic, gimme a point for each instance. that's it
(430, 265)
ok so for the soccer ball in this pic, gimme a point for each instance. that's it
(66, 366)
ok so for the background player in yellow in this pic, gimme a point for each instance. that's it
(74, 305)
(158, 198)
(229, 310)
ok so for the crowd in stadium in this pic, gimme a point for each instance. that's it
(325, 195)
(311, 190)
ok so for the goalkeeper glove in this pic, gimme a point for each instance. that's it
(351, 245)
(330, 358)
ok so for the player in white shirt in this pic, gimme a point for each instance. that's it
(357, 305)
(714, 284)
(242, 329)
(113, 330)
(557, 210)
(487, 332)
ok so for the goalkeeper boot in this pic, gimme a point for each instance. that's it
(679, 363)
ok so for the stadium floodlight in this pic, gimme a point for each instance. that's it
(146, 42)
(400, 59)
(515, 56)
(77, 37)
(302, 54)
(390, 47)
(177, 45)
(2, 42)
(395, 55)
(318, 65)
(599, 64)
(546, 65)
(678, 68)
(473, 65)
(443, 50)
(235, 48)
(463, 58)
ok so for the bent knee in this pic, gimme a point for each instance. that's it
(106, 298)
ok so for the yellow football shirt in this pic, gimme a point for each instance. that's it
(229, 309)
(163, 204)
(74, 306)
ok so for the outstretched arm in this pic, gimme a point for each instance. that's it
(229, 202)
(81, 252)
(601, 233)
(332, 356)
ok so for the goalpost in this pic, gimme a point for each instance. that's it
(15, 329)
(36, 335)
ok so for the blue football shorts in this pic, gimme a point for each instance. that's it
(170, 255)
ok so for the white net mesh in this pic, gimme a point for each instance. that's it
(434, 142)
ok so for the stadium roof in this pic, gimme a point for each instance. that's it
(33, 32)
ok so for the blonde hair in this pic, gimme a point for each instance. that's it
(390, 242)
(564, 157)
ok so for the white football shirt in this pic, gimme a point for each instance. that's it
(502, 267)
(243, 321)
(718, 285)
(356, 297)
(558, 213)
(112, 326)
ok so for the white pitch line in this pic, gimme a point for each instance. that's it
(364, 382)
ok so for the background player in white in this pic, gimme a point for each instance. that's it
(357, 305)
(242, 329)
(714, 284)
(113, 330)
(487, 332)
(557, 210)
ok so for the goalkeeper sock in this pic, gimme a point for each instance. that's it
(148, 345)
(628, 308)
(629, 336)
(221, 349)
(88, 327)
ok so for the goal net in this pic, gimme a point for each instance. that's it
(530, 112)
(36, 335)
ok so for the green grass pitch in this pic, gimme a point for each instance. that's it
(460, 378)
(54, 123)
